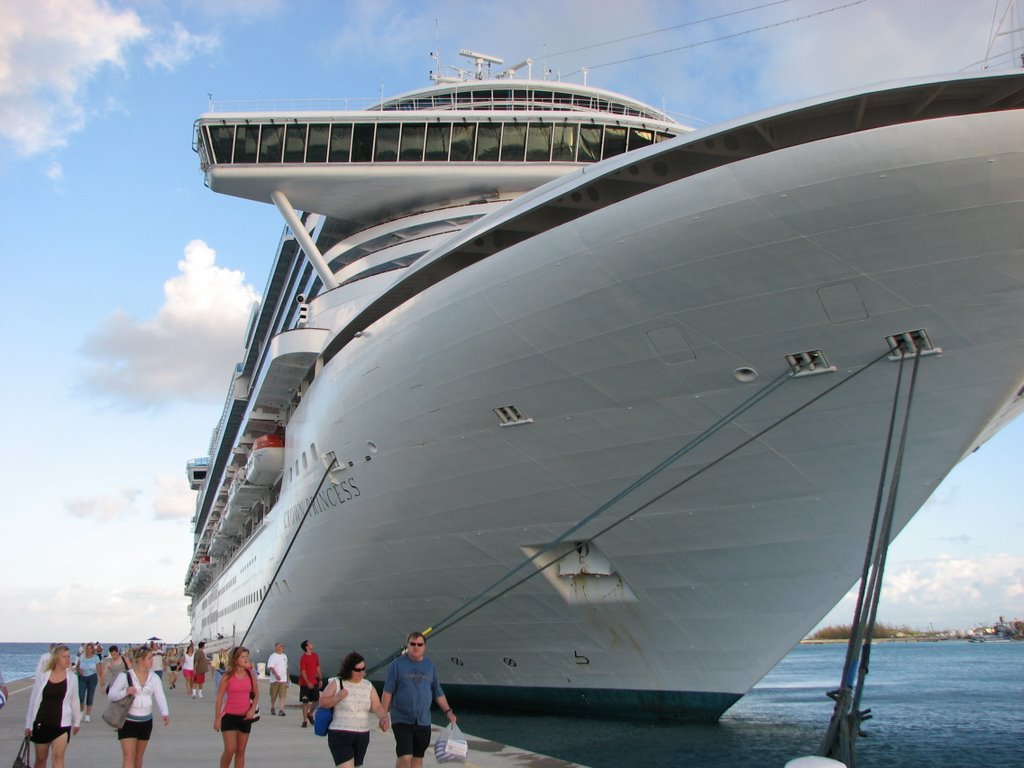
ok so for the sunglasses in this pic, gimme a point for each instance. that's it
(411, 643)
(358, 669)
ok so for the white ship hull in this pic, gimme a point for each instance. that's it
(616, 337)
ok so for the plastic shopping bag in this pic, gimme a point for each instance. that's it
(451, 746)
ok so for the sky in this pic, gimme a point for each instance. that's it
(127, 284)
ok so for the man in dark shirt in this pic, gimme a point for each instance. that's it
(409, 688)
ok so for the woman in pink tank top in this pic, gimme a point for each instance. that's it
(238, 697)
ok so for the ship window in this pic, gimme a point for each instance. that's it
(590, 143)
(247, 142)
(538, 143)
(438, 138)
(295, 143)
(542, 96)
(305, 462)
(271, 143)
(488, 140)
(614, 141)
(387, 143)
(481, 96)
(362, 142)
(412, 142)
(316, 146)
(341, 143)
(640, 138)
(462, 141)
(564, 148)
(513, 142)
(221, 139)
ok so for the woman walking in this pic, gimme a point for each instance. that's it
(188, 664)
(352, 697)
(113, 667)
(238, 698)
(54, 713)
(87, 668)
(173, 661)
(147, 688)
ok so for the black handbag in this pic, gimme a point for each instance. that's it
(117, 711)
(252, 697)
(23, 760)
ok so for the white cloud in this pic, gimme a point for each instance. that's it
(49, 50)
(179, 46)
(55, 172)
(77, 611)
(181, 354)
(104, 508)
(174, 500)
(947, 592)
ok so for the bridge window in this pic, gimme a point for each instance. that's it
(341, 143)
(413, 135)
(221, 139)
(538, 143)
(590, 143)
(247, 142)
(614, 141)
(271, 143)
(564, 148)
(439, 136)
(463, 140)
(488, 141)
(386, 149)
(316, 146)
(640, 138)
(362, 142)
(513, 142)
(295, 143)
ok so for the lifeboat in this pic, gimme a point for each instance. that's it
(266, 461)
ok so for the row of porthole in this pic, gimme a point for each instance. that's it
(511, 662)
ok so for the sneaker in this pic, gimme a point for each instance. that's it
(200, 693)
(273, 711)
(193, 694)
(281, 713)
(88, 719)
(305, 724)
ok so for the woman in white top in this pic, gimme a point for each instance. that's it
(145, 685)
(188, 666)
(53, 709)
(352, 697)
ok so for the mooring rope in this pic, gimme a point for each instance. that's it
(284, 557)
(465, 610)
(844, 726)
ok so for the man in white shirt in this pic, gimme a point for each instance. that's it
(277, 669)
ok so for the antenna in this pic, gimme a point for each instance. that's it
(479, 59)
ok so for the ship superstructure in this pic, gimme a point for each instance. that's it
(506, 301)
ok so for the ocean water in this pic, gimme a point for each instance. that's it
(950, 704)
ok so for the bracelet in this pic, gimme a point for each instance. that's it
(447, 712)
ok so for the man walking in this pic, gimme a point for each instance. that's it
(201, 668)
(277, 669)
(309, 681)
(410, 686)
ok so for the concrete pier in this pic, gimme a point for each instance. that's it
(190, 740)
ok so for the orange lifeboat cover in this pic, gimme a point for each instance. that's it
(268, 441)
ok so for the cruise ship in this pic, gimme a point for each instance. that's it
(598, 400)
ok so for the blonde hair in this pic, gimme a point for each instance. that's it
(138, 654)
(54, 656)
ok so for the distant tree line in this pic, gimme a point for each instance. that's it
(843, 631)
